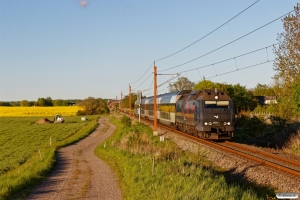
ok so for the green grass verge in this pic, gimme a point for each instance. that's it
(132, 152)
(26, 155)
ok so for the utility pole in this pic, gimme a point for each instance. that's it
(121, 101)
(155, 102)
(116, 101)
(129, 100)
(139, 101)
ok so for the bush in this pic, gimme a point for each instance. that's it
(271, 132)
(93, 106)
(126, 121)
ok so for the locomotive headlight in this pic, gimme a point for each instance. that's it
(209, 123)
(205, 123)
(216, 97)
(228, 123)
(224, 123)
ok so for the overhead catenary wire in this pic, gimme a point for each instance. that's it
(198, 39)
(208, 33)
(226, 44)
(143, 74)
(144, 80)
(212, 64)
(125, 90)
(241, 69)
(228, 59)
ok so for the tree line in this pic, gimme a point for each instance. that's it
(42, 102)
(90, 105)
(244, 99)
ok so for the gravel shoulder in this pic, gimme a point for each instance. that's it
(79, 174)
(242, 169)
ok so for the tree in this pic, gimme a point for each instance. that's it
(44, 102)
(41, 102)
(287, 61)
(60, 102)
(287, 65)
(263, 90)
(25, 103)
(2, 103)
(125, 101)
(295, 97)
(182, 83)
(241, 97)
(205, 84)
(103, 107)
(93, 106)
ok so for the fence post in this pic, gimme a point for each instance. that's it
(153, 166)
(40, 154)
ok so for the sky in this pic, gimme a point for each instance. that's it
(74, 49)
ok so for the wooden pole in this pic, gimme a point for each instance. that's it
(155, 102)
(130, 101)
(153, 164)
(121, 102)
(116, 102)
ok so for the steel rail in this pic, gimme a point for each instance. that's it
(264, 153)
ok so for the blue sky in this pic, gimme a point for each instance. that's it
(62, 50)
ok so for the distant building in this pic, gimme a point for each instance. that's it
(266, 100)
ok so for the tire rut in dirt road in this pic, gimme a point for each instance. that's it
(79, 174)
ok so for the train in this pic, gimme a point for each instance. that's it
(207, 114)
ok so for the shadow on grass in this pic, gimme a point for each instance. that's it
(235, 177)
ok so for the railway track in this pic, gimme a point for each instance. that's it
(279, 163)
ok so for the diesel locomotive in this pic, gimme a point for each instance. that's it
(208, 114)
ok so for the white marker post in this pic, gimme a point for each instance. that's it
(139, 100)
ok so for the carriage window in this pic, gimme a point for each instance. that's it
(216, 104)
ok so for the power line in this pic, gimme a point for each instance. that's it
(241, 69)
(144, 80)
(198, 39)
(208, 33)
(229, 58)
(124, 89)
(226, 44)
(263, 48)
(143, 74)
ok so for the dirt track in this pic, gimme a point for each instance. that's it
(79, 174)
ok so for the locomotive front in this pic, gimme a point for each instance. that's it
(216, 115)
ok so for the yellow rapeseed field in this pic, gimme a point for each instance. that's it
(38, 111)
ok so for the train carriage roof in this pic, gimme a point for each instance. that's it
(167, 98)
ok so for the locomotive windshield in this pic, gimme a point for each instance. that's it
(216, 104)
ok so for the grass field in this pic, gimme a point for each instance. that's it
(26, 152)
(6, 111)
(150, 169)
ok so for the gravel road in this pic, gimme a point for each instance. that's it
(79, 174)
